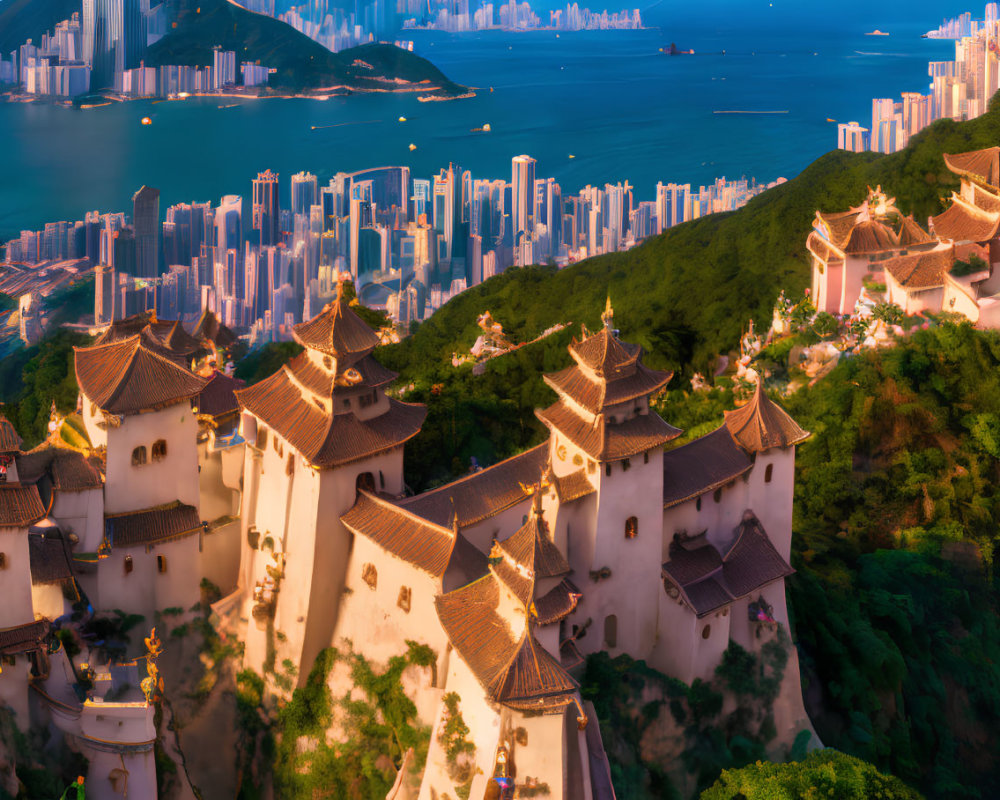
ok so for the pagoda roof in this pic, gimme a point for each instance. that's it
(762, 424)
(165, 337)
(963, 222)
(709, 580)
(24, 638)
(839, 225)
(921, 270)
(20, 505)
(482, 494)
(326, 439)
(702, 466)
(364, 374)
(529, 555)
(557, 604)
(152, 525)
(870, 236)
(605, 441)
(70, 470)
(980, 165)
(209, 327)
(821, 248)
(622, 385)
(126, 377)
(49, 559)
(911, 234)
(605, 353)
(404, 534)
(337, 331)
(517, 673)
(218, 398)
(10, 442)
(574, 486)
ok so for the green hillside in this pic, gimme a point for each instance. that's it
(302, 64)
(21, 20)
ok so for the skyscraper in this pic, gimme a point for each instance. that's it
(114, 38)
(304, 192)
(522, 182)
(146, 221)
(265, 208)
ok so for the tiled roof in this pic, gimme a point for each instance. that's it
(126, 377)
(151, 525)
(337, 331)
(870, 236)
(983, 165)
(605, 353)
(10, 442)
(210, 328)
(574, 486)
(986, 199)
(218, 397)
(911, 234)
(596, 396)
(24, 638)
(960, 223)
(557, 604)
(761, 424)
(483, 494)
(532, 548)
(49, 559)
(366, 373)
(519, 674)
(163, 337)
(20, 505)
(839, 225)
(328, 440)
(70, 470)
(921, 270)
(605, 441)
(709, 580)
(402, 533)
(820, 248)
(701, 466)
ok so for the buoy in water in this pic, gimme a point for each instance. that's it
(412, 147)
(402, 119)
(147, 121)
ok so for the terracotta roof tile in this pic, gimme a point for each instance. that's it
(911, 234)
(69, 470)
(708, 580)
(606, 441)
(959, 223)
(574, 486)
(366, 373)
(218, 398)
(210, 328)
(840, 225)
(337, 331)
(532, 548)
(820, 248)
(761, 424)
(596, 396)
(870, 236)
(557, 604)
(402, 533)
(10, 442)
(921, 270)
(163, 337)
(702, 466)
(49, 559)
(519, 674)
(328, 440)
(151, 525)
(605, 353)
(24, 638)
(483, 494)
(126, 377)
(20, 505)
(983, 165)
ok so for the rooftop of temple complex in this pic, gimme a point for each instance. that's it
(702, 466)
(527, 556)
(709, 580)
(876, 226)
(68, 469)
(159, 524)
(23, 638)
(164, 337)
(979, 165)
(49, 559)
(966, 222)
(218, 398)
(126, 377)
(337, 331)
(10, 442)
(921, 270)
(605, 440)
(761, 424)
(20, 505)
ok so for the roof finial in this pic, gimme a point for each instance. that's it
(536, 501)
(340, 286)
(608, 317)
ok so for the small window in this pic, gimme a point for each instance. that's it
(768, 472)
(369, 575)
(93, 410)
(290, 466)
(611, 630)
(9, 660)
(128, 564)
(706, 631)
(262, 438)
(697, 504)
(139, 456)
(327, 362)
(403, 601)
(626, 463)
(3, 561)
(381, 479)
(645, 457)
(631, 528)
(591, 466)
(717, 496)
(366, 400)
(161, 564)
(159, 450)
(607, 470)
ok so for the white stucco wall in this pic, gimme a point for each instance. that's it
(15, 579)
(81, 513)
(14, 689)
(49, 600)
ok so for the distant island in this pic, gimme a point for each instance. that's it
(300, 64)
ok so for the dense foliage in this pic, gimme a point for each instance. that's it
(301, 63)
(824, 773)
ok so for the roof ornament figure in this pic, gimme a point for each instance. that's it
(608, 317)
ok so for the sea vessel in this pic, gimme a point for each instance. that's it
(876, 32)
(674, 51)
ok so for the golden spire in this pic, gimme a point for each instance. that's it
(340, 286)
(608, 317)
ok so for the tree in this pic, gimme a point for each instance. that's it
(823, 773)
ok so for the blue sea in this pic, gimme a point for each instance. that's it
(592, 107)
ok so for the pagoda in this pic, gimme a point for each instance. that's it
(319, 430)
(974, 213)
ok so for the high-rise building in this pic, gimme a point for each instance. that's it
(522, 182)
(229, 225)
(304, 192)
(266, 215)
(114, 38)
(146, 221)
(852, 137)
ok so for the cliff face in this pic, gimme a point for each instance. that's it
(301, 63)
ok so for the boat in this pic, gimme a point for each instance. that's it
(402, 119)
(876, 32)
(830, 119)
(412, 147)
(674, 51)
(147, 121)
(484, 129)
